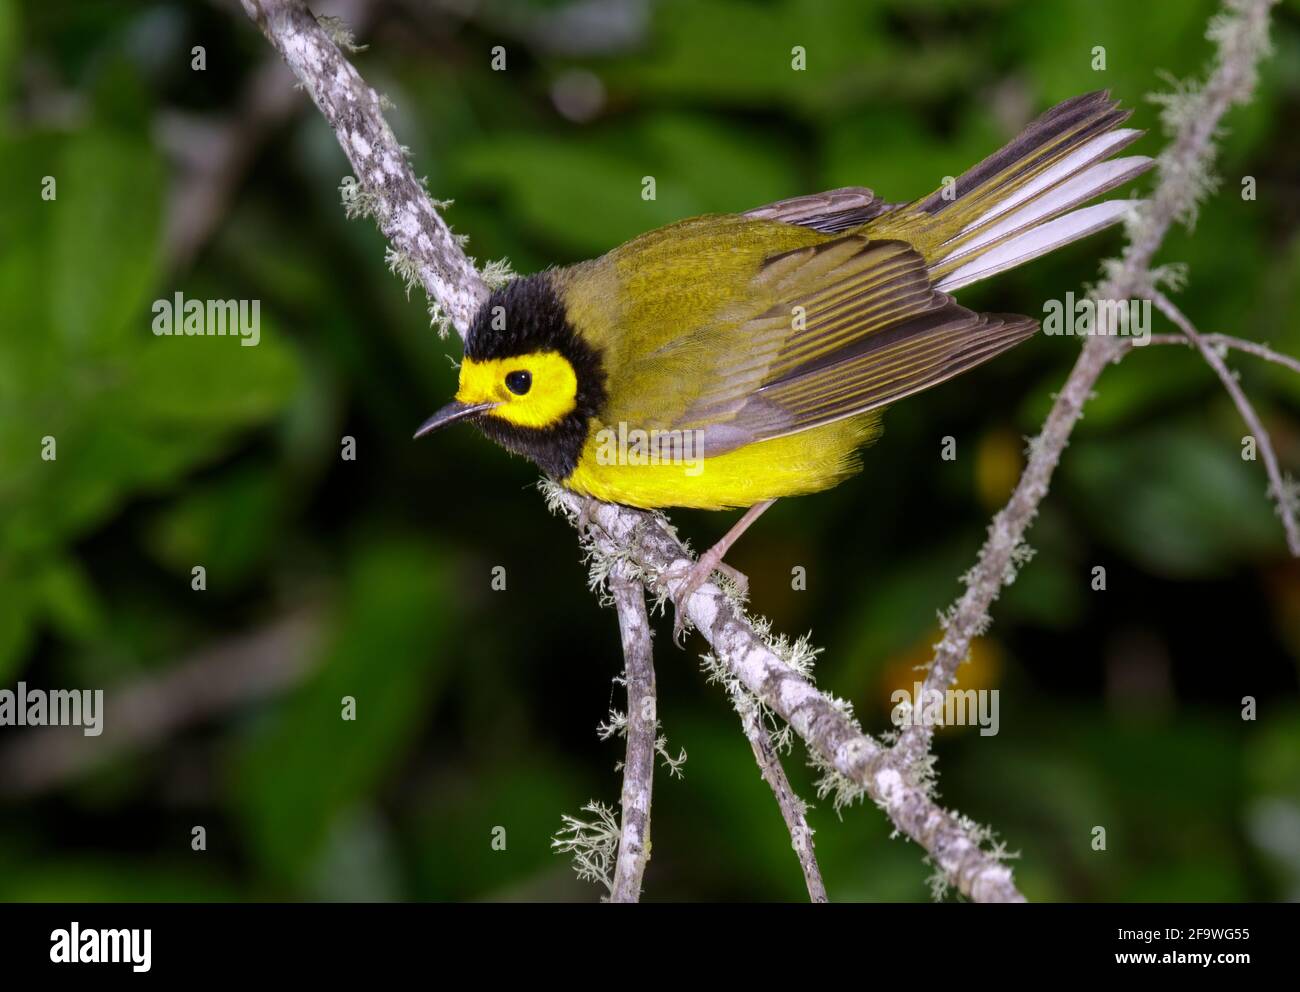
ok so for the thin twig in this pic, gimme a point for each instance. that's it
(642, 727)
(1276, 486)
(1227, 341)
(1241, 36)
(793, 809)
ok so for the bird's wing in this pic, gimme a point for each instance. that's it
(830, 212)
(844, 327)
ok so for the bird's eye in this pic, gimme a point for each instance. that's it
(519, 382)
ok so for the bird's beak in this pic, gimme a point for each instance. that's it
(452, 412)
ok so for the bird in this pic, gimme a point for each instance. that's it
(729, 360)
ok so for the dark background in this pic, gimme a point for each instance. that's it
(371, 578)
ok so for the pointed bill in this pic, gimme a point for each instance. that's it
(449, 414)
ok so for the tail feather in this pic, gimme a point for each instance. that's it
(1065, 127)
(1080, 160)
(1071, 193)
(1020, 202)
(1035, 242)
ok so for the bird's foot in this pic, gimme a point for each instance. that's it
(712, 561)
(700, 573)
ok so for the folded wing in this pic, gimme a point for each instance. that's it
(857, 324)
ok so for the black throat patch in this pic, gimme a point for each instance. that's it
(532, 318)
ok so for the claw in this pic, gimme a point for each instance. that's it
(695, 578)
(710, 562)
(699, 574)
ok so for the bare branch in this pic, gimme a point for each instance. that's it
(1276, 487)
(793, 809)
(1241, 36)
(642, 729)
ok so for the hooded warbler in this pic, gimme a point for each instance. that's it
(731, 359)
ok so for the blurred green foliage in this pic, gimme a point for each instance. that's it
(475, 708)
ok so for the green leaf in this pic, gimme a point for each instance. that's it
(128, 412)
(1055, 42)
(105, 250)
(199, 383)
(69, 599)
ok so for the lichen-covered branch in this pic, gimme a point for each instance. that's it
(641, 729)
(856, 765)
(1193, 115)
(423, 248)
(793, 809)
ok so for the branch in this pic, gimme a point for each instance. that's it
(1227, 341)
(793, 809)
(1277, 487)
(642, 728)
(1241, 34)
(423, 248)
(855, 764)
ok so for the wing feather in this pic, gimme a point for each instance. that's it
(845, 326)
(830, 212)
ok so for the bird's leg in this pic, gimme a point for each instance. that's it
(711, 561)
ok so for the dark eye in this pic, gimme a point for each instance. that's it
(519, 382)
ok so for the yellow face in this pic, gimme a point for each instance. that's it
(535, 390)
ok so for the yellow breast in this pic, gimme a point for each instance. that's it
(807, 462)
